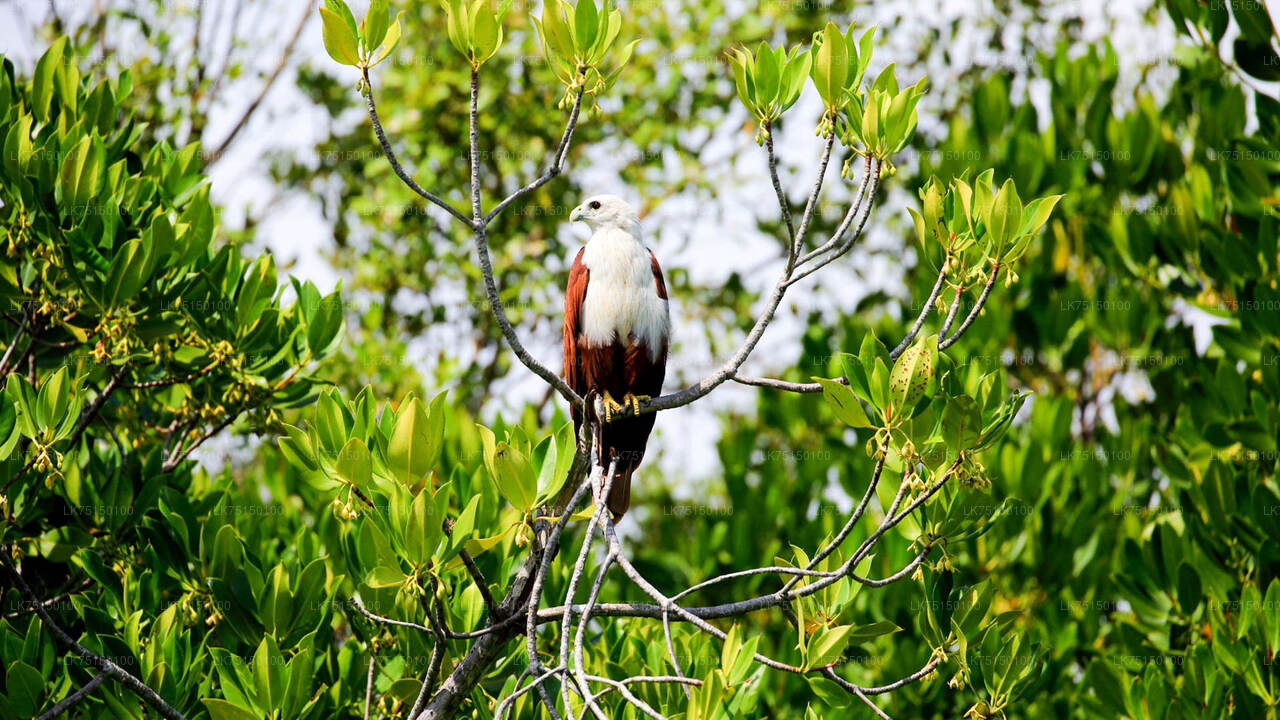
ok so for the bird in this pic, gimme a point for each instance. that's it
(617, 327)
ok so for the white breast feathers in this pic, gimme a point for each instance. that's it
(622, 296)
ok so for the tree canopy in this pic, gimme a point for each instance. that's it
(1044, 485)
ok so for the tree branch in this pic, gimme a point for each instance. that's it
(600, 490)
(180, 452)
(481, 584)
(973, 312)
(783, 204)
(951, 312)
(924, 313)
(70, 701)
(8, 353)
(109, 668)
(395, 164)
(818, 261)
(368, 687)
(556, 167)
(812, 204)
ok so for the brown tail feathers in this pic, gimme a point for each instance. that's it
(620, 492)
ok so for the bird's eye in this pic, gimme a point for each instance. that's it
(595, 205)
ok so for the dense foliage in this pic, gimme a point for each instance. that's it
(133, 338)
(1112, 552)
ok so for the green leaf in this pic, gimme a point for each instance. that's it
(354, 464)
(390, 41)
(768, 78)
(556, 34)
(514, 477)
(126, 274)
(797, 69)
(863, 633)
(424, 530)
(325, 323)
(18, 147)
(457, 25)
(486, 32)
(376, 21)
(409, 450)
(267, 665)
(331, 423)
(24, 687)
(1271, 617)
(340, 39)
(912, 376)
(585, 25)
(1036, 214)
(53, 399)
(19, 392)
(544, 458)
(827, 645)
(223, 710)
(1189, 594)
(383, 577)
(42, 80)
(340, 8)
(80, 176)
(831, 66)
(844, 403)
(622, 63)
(463, 530)
(1005, 215)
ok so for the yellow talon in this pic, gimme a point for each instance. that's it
(611, 406)
(634, 401)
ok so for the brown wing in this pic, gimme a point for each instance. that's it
(575, 292)
(657, 275)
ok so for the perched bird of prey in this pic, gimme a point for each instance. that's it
(616, 328)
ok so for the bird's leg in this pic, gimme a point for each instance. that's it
(611, 406)
(634, 401)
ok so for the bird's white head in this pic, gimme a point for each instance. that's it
(606, 211)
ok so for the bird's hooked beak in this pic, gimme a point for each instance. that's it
(576, 215)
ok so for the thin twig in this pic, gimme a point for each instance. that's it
(506, 702)
(696, 615)
(556, 167)
(951, 312)
(671, 649)
(477, 225)
(114, 671)
(601, 492)
(482, 585)
(820, 261)
(854, 208)
(812, 203)
(166, 382)
(8, 353)
(783, 203)
(535, 596)
(626, 695)
(395, 164)
(592, 597)
(181, 452)
(924, 313)
(368, 687)
(69, 701)
(974, 311)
